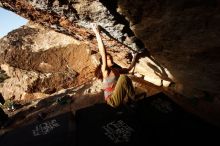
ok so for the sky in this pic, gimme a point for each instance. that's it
(9, 21)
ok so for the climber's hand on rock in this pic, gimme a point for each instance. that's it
(95, 28)
(138, 52)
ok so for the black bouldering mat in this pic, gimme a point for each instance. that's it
(150, 121)
(59, 130)
(165, 122)
(102, 125)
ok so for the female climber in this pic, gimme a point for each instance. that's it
(118, 87)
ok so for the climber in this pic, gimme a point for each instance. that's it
(117, 86)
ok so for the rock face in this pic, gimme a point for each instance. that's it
(20, 83)
(39, 60)
(181, 37)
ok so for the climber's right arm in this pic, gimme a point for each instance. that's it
(101, 48)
